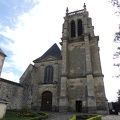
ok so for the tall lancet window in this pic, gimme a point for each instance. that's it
(72, 28)
(79, 27)
(48, 75)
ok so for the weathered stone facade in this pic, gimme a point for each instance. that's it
(69, 79)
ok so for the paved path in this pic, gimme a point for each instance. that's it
(59, 116)
(67, 116)
(111, 117)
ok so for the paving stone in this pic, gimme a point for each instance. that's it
(59, 116)
(111, 117)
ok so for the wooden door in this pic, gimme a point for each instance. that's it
(46, 104)
(78, 106)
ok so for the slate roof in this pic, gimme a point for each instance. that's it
(52, 51)
(2, 52)
(3, 100)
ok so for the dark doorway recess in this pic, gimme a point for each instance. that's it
(78, 106)
(46, 104)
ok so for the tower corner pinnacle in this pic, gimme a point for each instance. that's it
(67, 11)
(84, 7)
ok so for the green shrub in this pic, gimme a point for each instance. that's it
(26, 112)
(40, 116)
(73, 117)
(13, 115)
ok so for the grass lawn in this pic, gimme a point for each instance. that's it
(10, 115)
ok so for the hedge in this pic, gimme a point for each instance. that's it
(73, 117)
(42, 116)
(98, 117)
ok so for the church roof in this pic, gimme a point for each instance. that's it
(52, 51)
(2, 52)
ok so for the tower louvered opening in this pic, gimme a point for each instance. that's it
(72, 28)
(79, 26)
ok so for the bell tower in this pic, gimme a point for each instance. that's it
(81, 74)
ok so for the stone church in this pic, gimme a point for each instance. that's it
(66, 79)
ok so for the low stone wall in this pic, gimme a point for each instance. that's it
(11, 92)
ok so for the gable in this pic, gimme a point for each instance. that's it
(27, 71)
(49, 58)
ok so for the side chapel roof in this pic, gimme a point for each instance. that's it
(10, 82)
(52, 51)
(3, 101)
(2, 52)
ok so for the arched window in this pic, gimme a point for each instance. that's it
(72, 28)
(79, 27)
(48, 75)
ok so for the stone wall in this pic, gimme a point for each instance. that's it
(76, 62)
(77, 90)
(95, 58)
(28, 82)
(99, 93)
(11, 92)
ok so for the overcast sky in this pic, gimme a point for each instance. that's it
(29, 27)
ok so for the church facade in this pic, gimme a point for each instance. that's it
(69, 79)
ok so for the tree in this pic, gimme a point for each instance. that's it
(116, 3)
(118, 96)
(116, 105)
(118, 100)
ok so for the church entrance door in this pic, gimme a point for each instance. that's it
(46, 104)
(78, 106)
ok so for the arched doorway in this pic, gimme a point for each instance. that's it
(46, 104)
